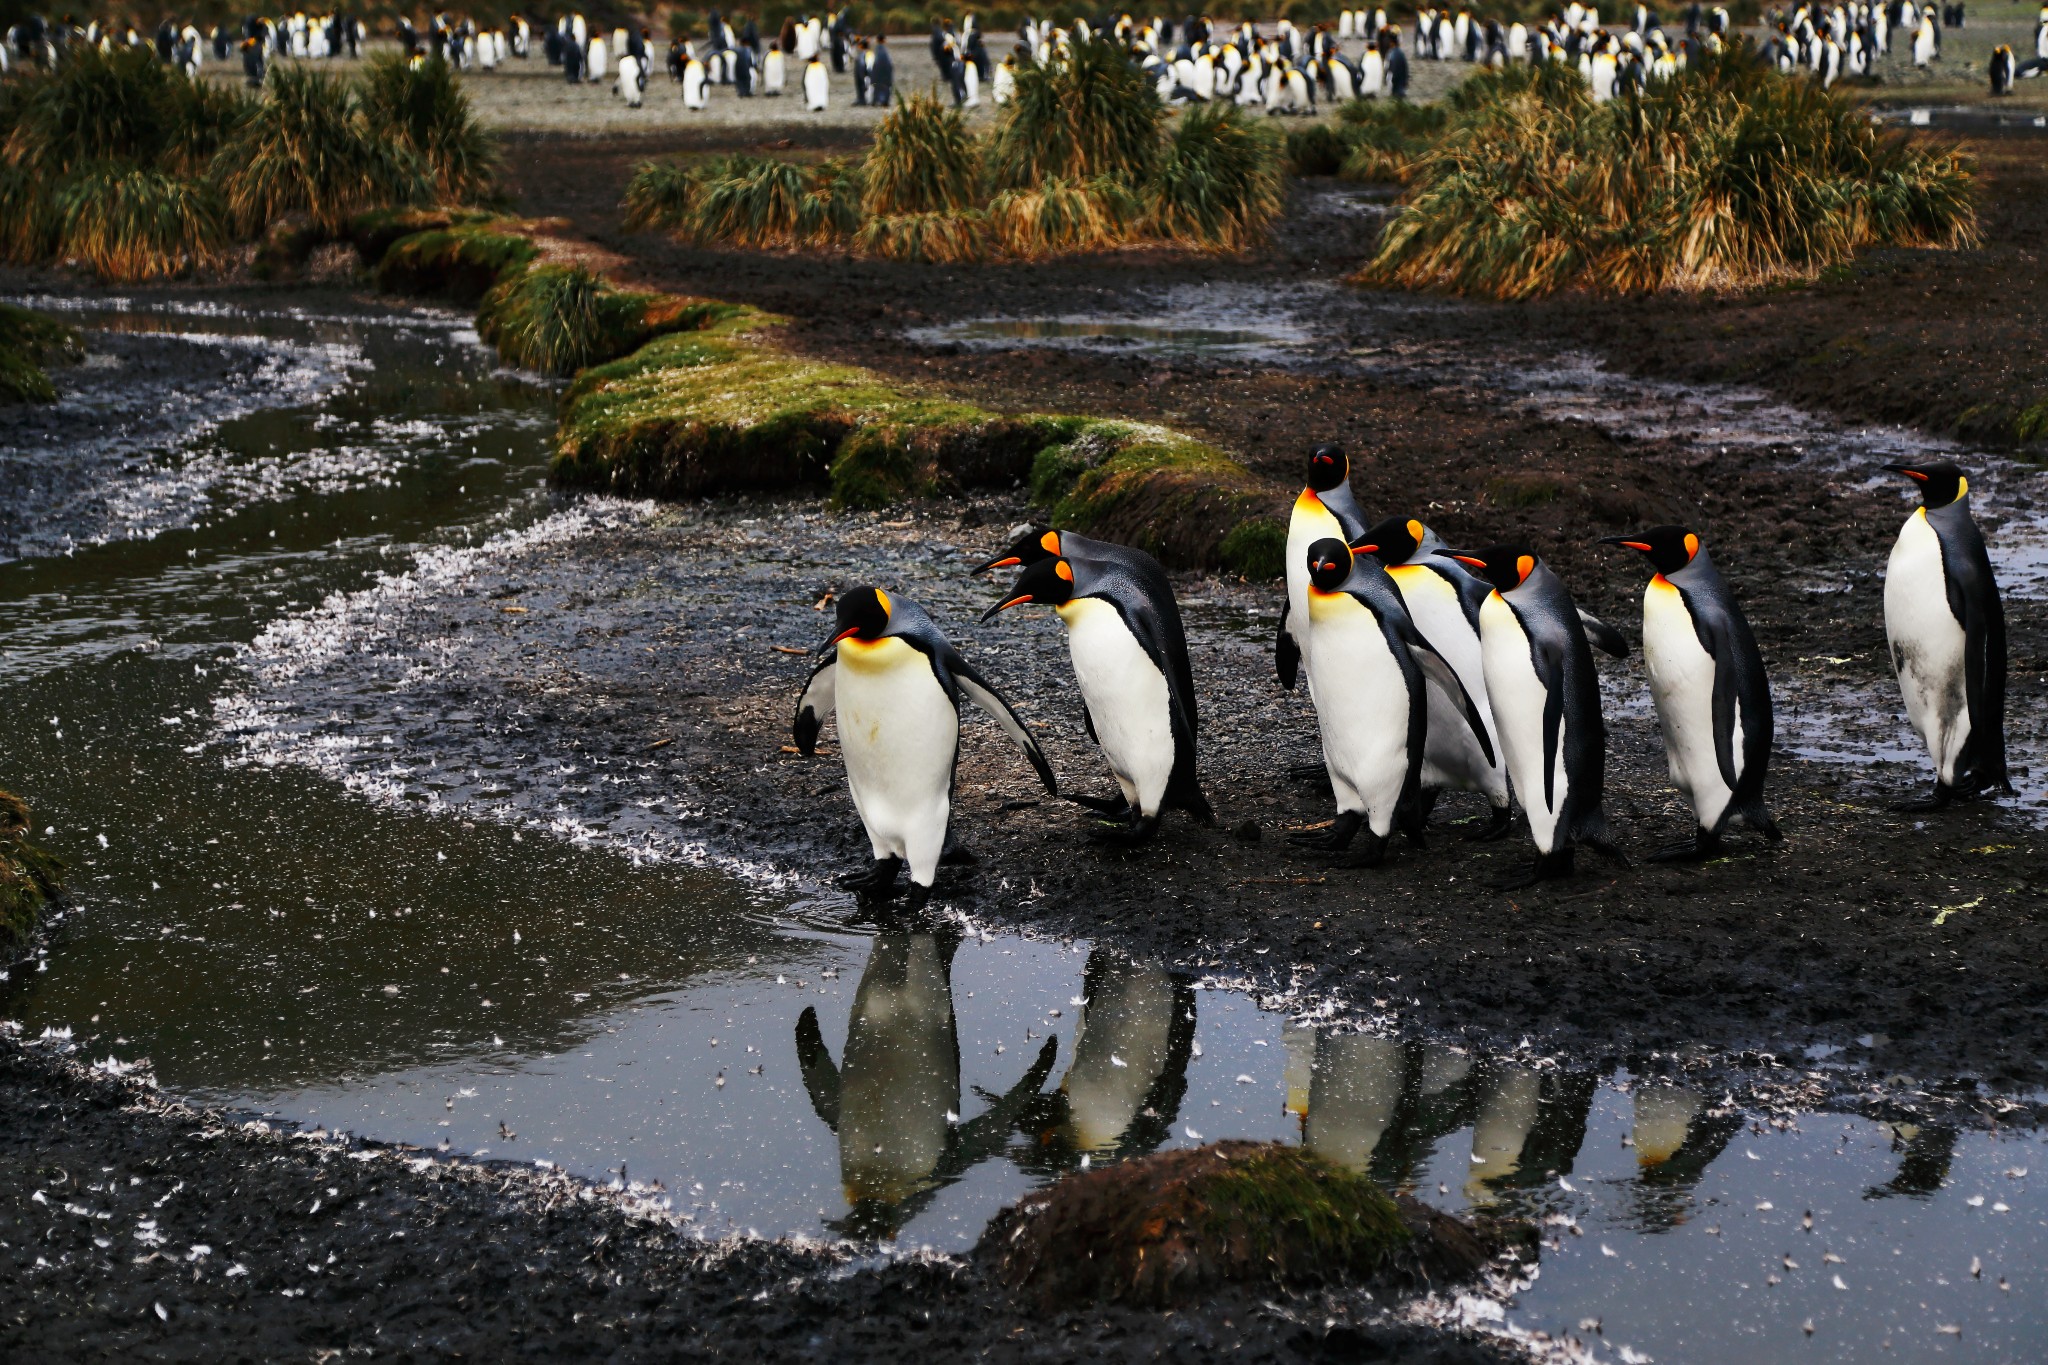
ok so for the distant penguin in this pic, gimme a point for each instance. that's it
(696, 87)
(817, 85)
(1707, 679)
(630, 88)
(1546, 701)
(1004, 87)
(1946, 626)
(1130, 660)
(1371, 699)
(895, 682)
(774, 71)
(1926, 42)
(598, 60)
(1443, 598)
(1326, 508)
(2001, 70)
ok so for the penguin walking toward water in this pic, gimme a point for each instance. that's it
(1371, 700)
(1131, 661)
(1707, 679)
(1946, 626)
(1546, 701)
(895, 683)
(1326, 509)
(817, 86)
(1443, 599)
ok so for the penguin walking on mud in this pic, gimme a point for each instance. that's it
(895, 683)
(1371, 700)
(1443, 598)
(1707, 679)
(1130, 659)
(1325, 510)
(1546, 701)
(1946, 626)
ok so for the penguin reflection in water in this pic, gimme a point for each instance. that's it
(1130, 658)
(893, 1099)
(1546, 700)
(1707, 679)
(895, 684)
(1947, 632)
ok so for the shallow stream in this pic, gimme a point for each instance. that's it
(524, 987)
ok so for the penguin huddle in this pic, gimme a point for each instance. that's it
(1430, 669)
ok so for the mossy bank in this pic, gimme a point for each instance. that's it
(29, 344)
(29, 877)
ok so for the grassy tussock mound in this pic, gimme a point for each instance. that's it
(922, 161)
(28, 343)
(29, 878)
(124, 222)
(1372, 140)
(1220, 183)
(459, 261)
(938, 238)
(309, 149)
(558, 319)
(425, 112)
(1164, 1229)
(1064, 217)
(1728, 175)
(1090, 116)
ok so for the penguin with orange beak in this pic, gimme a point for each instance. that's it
(1131, 662)
(1707, 679)
(1546, 702)
(895, 683)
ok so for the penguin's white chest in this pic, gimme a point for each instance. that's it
(898, 731)
(1518, 698)
(1682, 685)
(1927, 643)
(1310, 522)
(1127, 697)
(1362, 702)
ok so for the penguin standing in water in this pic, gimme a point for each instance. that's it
(1443, 600)
(1131, 661)
(895, 684)
(1707, 678)
(1326, 509)
(1371, 700)
(1947, 632)
(1546, 701)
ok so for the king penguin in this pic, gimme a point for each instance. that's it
(1371, 700)
(1130, 659)
(1707, 679)
(1443, 598)
(1325, 509)
(1546, 701)
(817, 85)
(1947, 632)
(895, 683)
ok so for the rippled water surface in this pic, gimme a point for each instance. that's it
(515, 990)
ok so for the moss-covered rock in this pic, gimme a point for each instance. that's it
(1165, 1228)
(458, 261)
(560, 319)
(29, 342)
(29, 877)
(1166, 493)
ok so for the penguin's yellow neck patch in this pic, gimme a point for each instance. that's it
(874, 656)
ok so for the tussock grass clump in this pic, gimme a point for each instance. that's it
(925, 238)
(462, 262)
(1091, 114)
(29, 877)
(28, 223)
(1384, 139)
(557, 319)
(127, 224)
(309, 149)
(1728, 175)
(757, 201)
(1060, 217)
(1221, 182)
(29, 342)
(661, 197)
(96, 106)
(425, 111)
(923, 160)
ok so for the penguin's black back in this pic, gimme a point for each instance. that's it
(1973, 597)
(1550, 619)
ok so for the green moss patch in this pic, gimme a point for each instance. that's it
(459, 261)
(1164, 1229)
(29, 342)
(29, 877)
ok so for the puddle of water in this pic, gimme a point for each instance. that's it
(1966, 119)
(1219, 321)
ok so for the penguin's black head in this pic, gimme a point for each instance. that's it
(1393, 541)
(863, 615)
(1670, 548)
(1941, 483)
(1031, 547)
(1327, 468)
(1049, 582)
(1504, 566)
(1329, 564)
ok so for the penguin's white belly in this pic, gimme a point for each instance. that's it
(1452, 758)
(1309, 523)
(1120, 1051)
(1362, 701)
(1682, 685)
(1927, 644)
(1127, 698)
(901, 1075)
(898, 731)
(1518, 696)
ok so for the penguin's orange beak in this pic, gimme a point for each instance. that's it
(1908, 471)
(1468, 559)
(1626, 543)
(1006, 562)
(832, 643)
(1018, 600)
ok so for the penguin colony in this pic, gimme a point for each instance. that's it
(1431, 669)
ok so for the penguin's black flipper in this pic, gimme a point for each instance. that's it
(1438, 671)
(1971, 588)
(812, 707)
(1286, 653)
(1548, 662)
(1088, 724)
(988, 699)
(1602, 636)
(814, 1059)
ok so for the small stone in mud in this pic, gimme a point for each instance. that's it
(1165, 1228)
(1247, 833)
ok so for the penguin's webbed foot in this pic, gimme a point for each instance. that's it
(878, 882)
(1942, 797)
(1700, 848)
(1139, 831)
(1499, 823)
(1370, 851)
(1332, 838)
(1548, 867)
(1115, 806)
